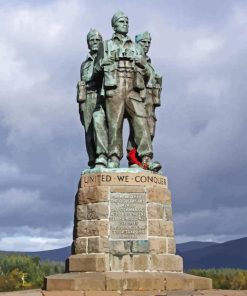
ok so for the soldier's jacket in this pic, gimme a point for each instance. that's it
(87, 93)
(152, 91)
(124, 53)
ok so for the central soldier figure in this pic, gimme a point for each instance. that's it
(123, 66)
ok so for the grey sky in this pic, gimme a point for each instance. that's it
(200, 49)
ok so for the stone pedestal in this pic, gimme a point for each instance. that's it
(124, 236)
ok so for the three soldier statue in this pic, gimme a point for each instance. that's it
(117, 81)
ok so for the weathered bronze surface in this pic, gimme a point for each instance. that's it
(91, 106)
(152, 91)
(118, 82)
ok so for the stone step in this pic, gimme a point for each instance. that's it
(125, 281)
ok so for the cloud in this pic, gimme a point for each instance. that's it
(198, 47)
(206, 222)
(27, 239)
(17, 199)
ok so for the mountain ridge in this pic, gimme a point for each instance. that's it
(196, 254)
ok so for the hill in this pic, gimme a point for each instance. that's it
(193, 245)
(53, 255)
(231, 254)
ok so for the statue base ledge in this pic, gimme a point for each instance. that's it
(125, 281)
(118, 170)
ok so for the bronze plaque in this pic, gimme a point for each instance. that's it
(128, 216)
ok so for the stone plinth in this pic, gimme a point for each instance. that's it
(123, 236)
(126, 281)
(123, 222)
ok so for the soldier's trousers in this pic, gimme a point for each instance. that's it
(96, 137)
(122, 102)
(151, 121)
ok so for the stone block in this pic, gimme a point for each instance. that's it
(128, 189)
(159, 195)
(101, 293)
(156, 195)
(140, 246)
(96, 211)
(156, 227)
(81, 212)
(120, 247)
(92, 194)
(114, 281)
(143, 293)
(166, 262)
(168, 213)
(125, 284)
(144, 282)
(187, 282)
(80, 245)
(168, 196)
(92, 228)
(87, 262)
(169, 229)
(140, 262)
(121, 262)
(98, 245)
(59, 293)
(135, 281)
(202, 283)
(157, 245)
(155, 210)
(75, 282)
(171, 245)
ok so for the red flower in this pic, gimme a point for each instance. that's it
(132, 157)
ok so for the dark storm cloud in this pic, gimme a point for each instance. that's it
(199, 48)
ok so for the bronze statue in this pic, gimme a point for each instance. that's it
(151, 93)
(91, 107)
(153, 85)
(124, 66)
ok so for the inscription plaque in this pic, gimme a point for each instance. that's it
(108, 179)
(128, 216)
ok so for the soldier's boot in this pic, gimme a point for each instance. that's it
(150, 165)
(101, 161)
(133, 165)
(113, 162)
(91, 164)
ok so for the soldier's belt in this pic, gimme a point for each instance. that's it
(125, 74)
(126, 64)
(129, 70)
(92, 90)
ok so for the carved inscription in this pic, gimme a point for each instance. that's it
(128, 216)
(148, 179)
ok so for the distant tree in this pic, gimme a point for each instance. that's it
(22, 272)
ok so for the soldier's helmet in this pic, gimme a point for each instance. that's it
(117, 16)
(142, 36)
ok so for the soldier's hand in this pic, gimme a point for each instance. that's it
(108, 60)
